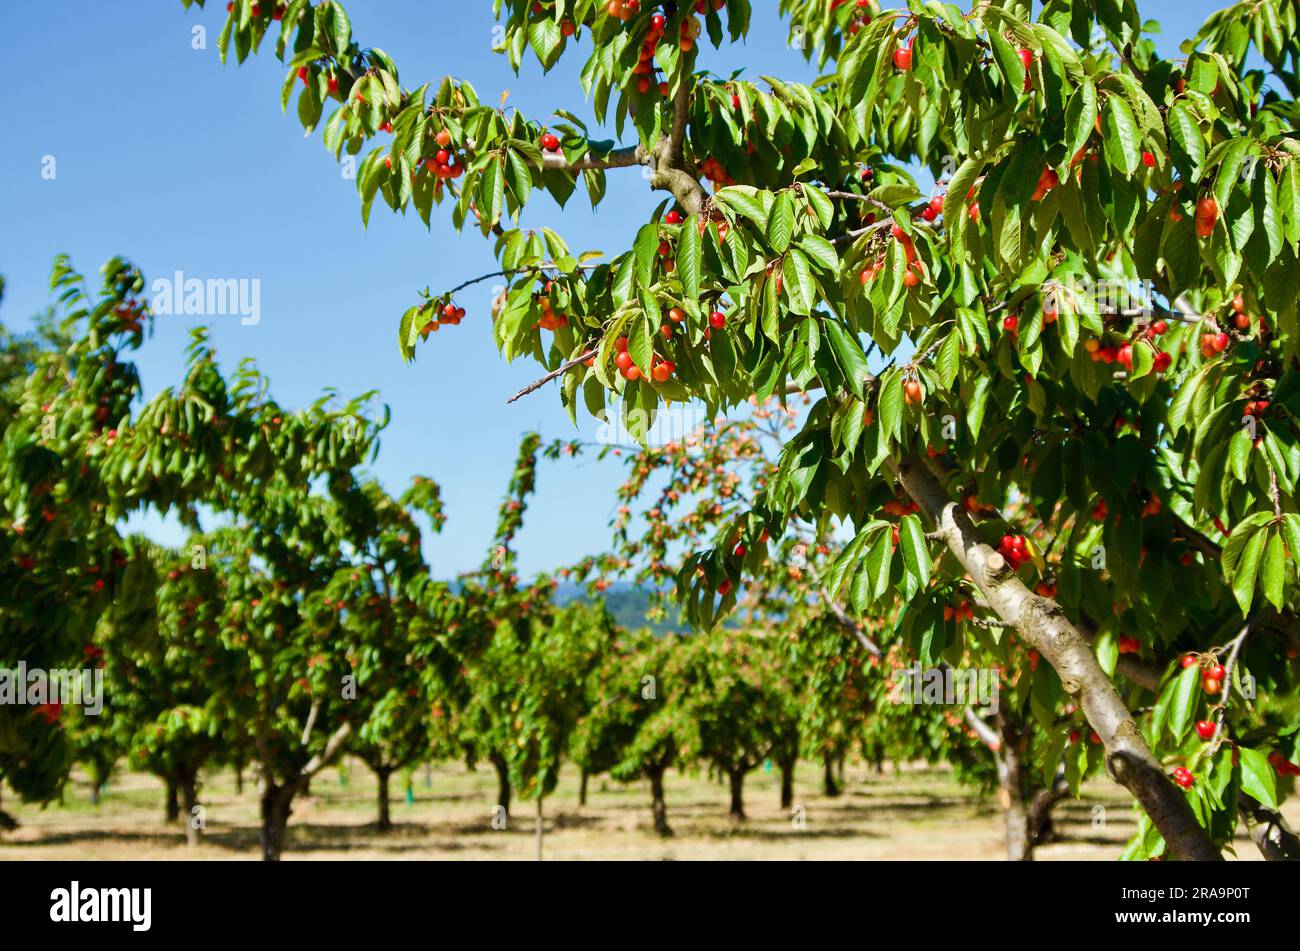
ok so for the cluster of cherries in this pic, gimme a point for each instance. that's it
(1213, 344)
(964, 611)
(131, 314)
(550, 319)
(1015, 550)
(900, 508)
(1212, 674)
(449, 313)
(661, 370)
(446, 162)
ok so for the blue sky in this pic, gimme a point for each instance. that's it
(164, 156)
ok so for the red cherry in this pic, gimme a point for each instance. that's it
(550, 143)
(903, 58)
(1216, 672)
(1184, 778)
(1211, 686)
(1149, 160)
(1011, 324)
(717, 320)
(1205, 729)
(1189, 660)
(725, 588)
(673, 218)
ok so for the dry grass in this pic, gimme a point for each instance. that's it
(912, 813)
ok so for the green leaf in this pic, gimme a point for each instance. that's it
(780, 222)
(689, 258)
(916, 556)
(1186, 139)
(1120, 135)
(1257, 778)
(1184, 693)
(851, 358)
(1243, 581)
(1272, 571)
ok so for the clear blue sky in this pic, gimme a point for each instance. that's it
(168, 158)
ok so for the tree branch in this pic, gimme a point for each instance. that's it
(558, 371)
(1043, 626)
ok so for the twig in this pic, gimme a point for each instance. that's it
(559, 371)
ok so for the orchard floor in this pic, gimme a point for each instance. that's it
(912, 813)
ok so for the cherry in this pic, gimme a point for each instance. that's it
(1159, 327)
(911, 278)
(550, 142)
(1026, 57)
(936, 204)
(912, 391)
(1216, 672)
(663, 371)
(1207, 213)
(725, 588)
(1205, 729)
(676, 314)
(1011, 324)
(1184, 778)
(1211, 686)
(1149, 160)
(673, 218)
(623, 360)
(1189, 660)
(740, 551)
(903, 58)
(717, 320)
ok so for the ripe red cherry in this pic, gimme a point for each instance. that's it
(903, 58)
(1011, 324)
(1189, 660)
(1205, 729)
(936, 204)
(1211, 685)
(550, 143)
(623, 360)
(1183, 777)
(1217, 672)
(1149, 160)
(725, 588)
(673, 218)
(1026, 57)
(897, 231)
(717, 320)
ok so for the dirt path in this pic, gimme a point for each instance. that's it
(914, 813)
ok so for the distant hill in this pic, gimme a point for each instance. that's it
(629, 604)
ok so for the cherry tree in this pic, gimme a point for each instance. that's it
(1093, 311)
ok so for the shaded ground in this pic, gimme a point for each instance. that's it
(913, 813)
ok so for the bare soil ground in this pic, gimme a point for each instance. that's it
(911, 813)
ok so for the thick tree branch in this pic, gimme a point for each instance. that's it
(1269, 830)
(333, 746)
(1041, 624)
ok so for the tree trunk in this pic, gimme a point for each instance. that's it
(277, 804)
(1011, 780)
(172, 801)
(539, 828)
(188, 781)
(239, 779)
(737, 778)
(831, 787)
(385, 819)
(582, 790)
(787, 783)
(503, 782)
(658, 807)
(7, 822)
(1041, 624)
